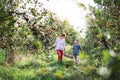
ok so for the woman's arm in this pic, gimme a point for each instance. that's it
(55, 42)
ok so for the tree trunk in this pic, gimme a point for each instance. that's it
(9, 55)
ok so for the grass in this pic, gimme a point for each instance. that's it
(2, 55)
(40, 67)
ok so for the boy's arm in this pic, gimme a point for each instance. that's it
(80, 47)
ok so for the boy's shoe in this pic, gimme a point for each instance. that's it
(77, 65)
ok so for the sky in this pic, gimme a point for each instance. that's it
(68, 9)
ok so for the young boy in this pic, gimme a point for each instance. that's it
(76, 51)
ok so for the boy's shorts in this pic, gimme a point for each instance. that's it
(75, 55)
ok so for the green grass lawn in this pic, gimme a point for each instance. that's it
(40, 67)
